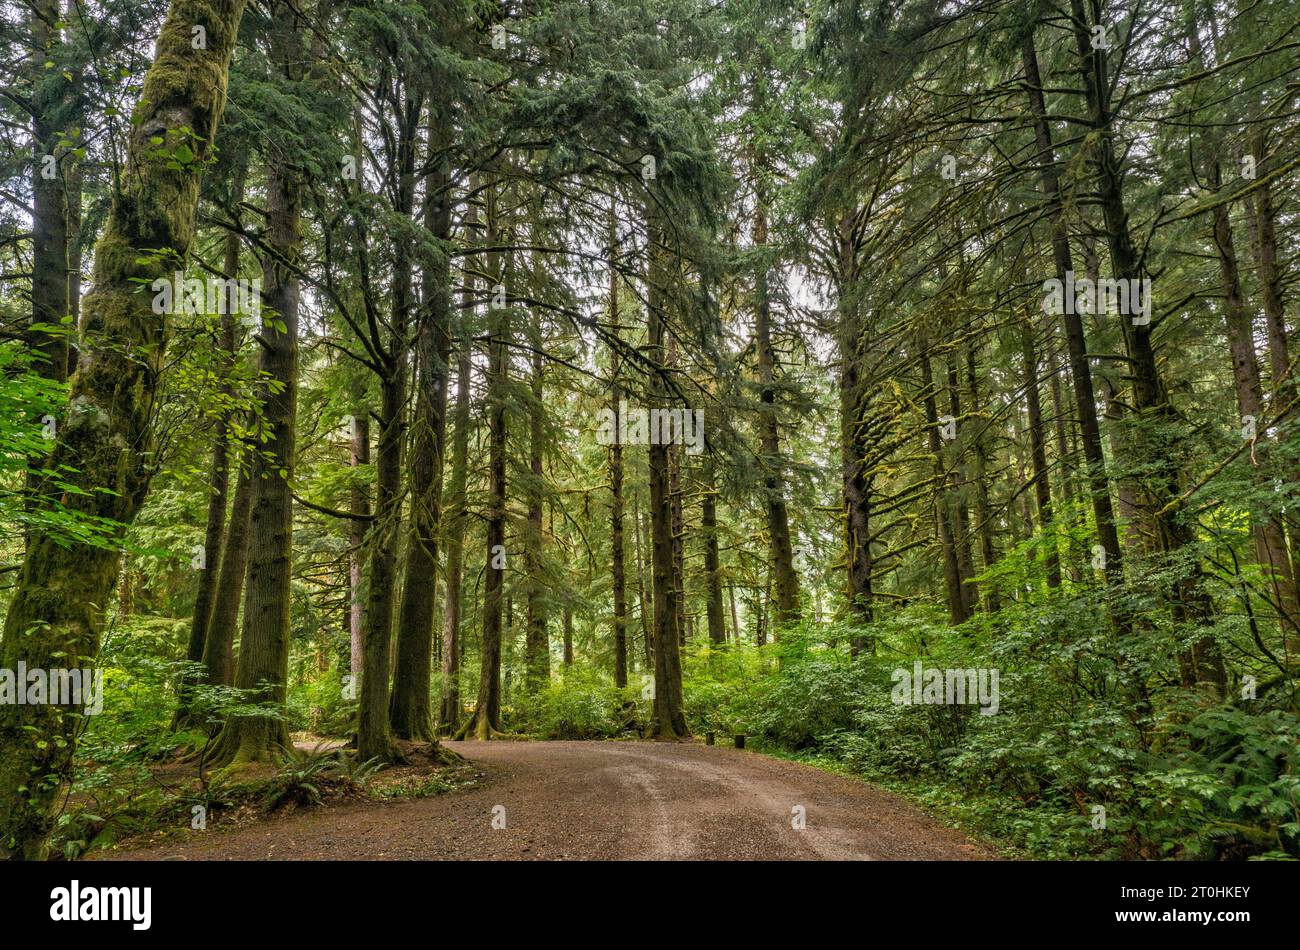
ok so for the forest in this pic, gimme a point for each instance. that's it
(898, 390)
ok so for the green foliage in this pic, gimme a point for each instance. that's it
(307, 775)
(580, 704)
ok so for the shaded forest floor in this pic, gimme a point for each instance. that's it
(595, 800)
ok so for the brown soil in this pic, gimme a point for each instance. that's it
(602, 801)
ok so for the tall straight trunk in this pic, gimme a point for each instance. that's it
(51, 116)
(1264, 237)
(1085, 400)
(263, 666)
(712, 566)
(669, 711)
(410, 710)
(735, 617)
(641, 537)
(1270, 542)
(1201, 663)
(983, 510)
(778, 521)
(1065, 459)
(959, 508)
(218, 483)
(450, 709)
(487, 707)
(104, 444)
(374, 734)
(537, 648)
(47, 341)
(568, 636)
(619, 578)
(857, 481)
(359, 507)
(1038, 456)
(677, 525)
(957, 612)
(218, 647)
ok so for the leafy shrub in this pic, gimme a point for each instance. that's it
(579, 704)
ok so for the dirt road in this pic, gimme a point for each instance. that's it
(606, 800)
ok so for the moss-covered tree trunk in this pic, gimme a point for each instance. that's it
(54, 619)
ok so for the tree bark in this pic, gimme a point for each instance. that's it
(104, 440)
(487, 707)
(778, 521)
(410, 709)
(1085, 400)
(619, 578)
(669, 711)
(218, 485)
(537, 647)
(263, 665)
(1038, 456)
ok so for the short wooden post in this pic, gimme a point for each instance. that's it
(708, 738)
(740, 740)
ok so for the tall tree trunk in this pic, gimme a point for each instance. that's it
(104, 442)
(263, 665)
(1283, 385)
(735, 617)
(410, 710)
(980, 453)
(778, 521)
(51, 116)
(359, 507)
(374, 735)
(959, 508)
(619, 578)
(450, 709)
(669, 711)
(1201, 663)
(219, 481)
(1038, 456)
(856, 432)
(1085, 400)
(712, 566)
(46, 334)
(537, 647)
(641, 537)
(568, 636)
(218, 646)
(1270, 542)
(487, 707)
(957, 613)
